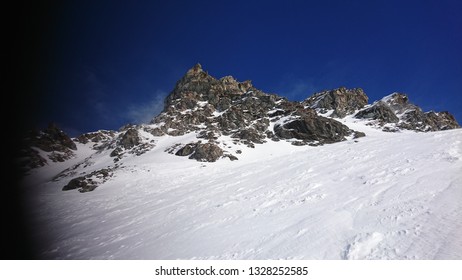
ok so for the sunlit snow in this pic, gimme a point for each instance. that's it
(383, 196)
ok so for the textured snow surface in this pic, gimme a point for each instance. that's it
(384, 196)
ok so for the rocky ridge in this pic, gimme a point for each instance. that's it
(215, 107)
(395, 112)
(50, 144)
(392, 113)
(222, 115)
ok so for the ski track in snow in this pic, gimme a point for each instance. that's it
(384, 196)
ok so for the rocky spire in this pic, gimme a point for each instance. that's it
(196, 69)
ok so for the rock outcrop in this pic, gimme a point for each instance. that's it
(88, 183)
(98, 138)
(214, 107)
(397, 110)
(342, 101)
(207, 152)
(49, 144)
(52, 139)
(379, 111)
(313, 130)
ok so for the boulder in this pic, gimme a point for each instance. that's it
(80, 183)
(186, 150)
(207, 152)
(89, 182)
(323, 130)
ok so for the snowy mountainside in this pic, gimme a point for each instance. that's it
(221, 115)
(331, 177)
(384, 196)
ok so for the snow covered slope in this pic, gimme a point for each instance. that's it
(384, 196)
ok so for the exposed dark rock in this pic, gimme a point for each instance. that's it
(207, 152)
(60, 156)
(441, 121)
(413, 118)
(99, 137)
(116, 152)
(154, 131)
(323, 130)
(378, 111)
(214, 107)
(395, 112)
(51, 139)
(399, 103)
(173, 148)
(81, 184)
(231, 157)
(251, 135)
(358, 134)
(186, 150)
(130, 142)
(29, 158)
(130, 138)
(201, 151)
(342, 100)
(88, 183)
(55, 144)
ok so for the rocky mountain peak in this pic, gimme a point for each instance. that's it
(214, 107)
(209, 119)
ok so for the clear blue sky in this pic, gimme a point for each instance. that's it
(102, 64)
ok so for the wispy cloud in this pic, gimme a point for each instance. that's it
(145, 112)
(297, 89)
(114, 113)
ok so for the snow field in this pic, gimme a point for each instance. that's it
(384, 196)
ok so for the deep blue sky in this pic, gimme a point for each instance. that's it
(102, 64)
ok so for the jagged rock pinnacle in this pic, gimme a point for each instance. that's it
(195, 69)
